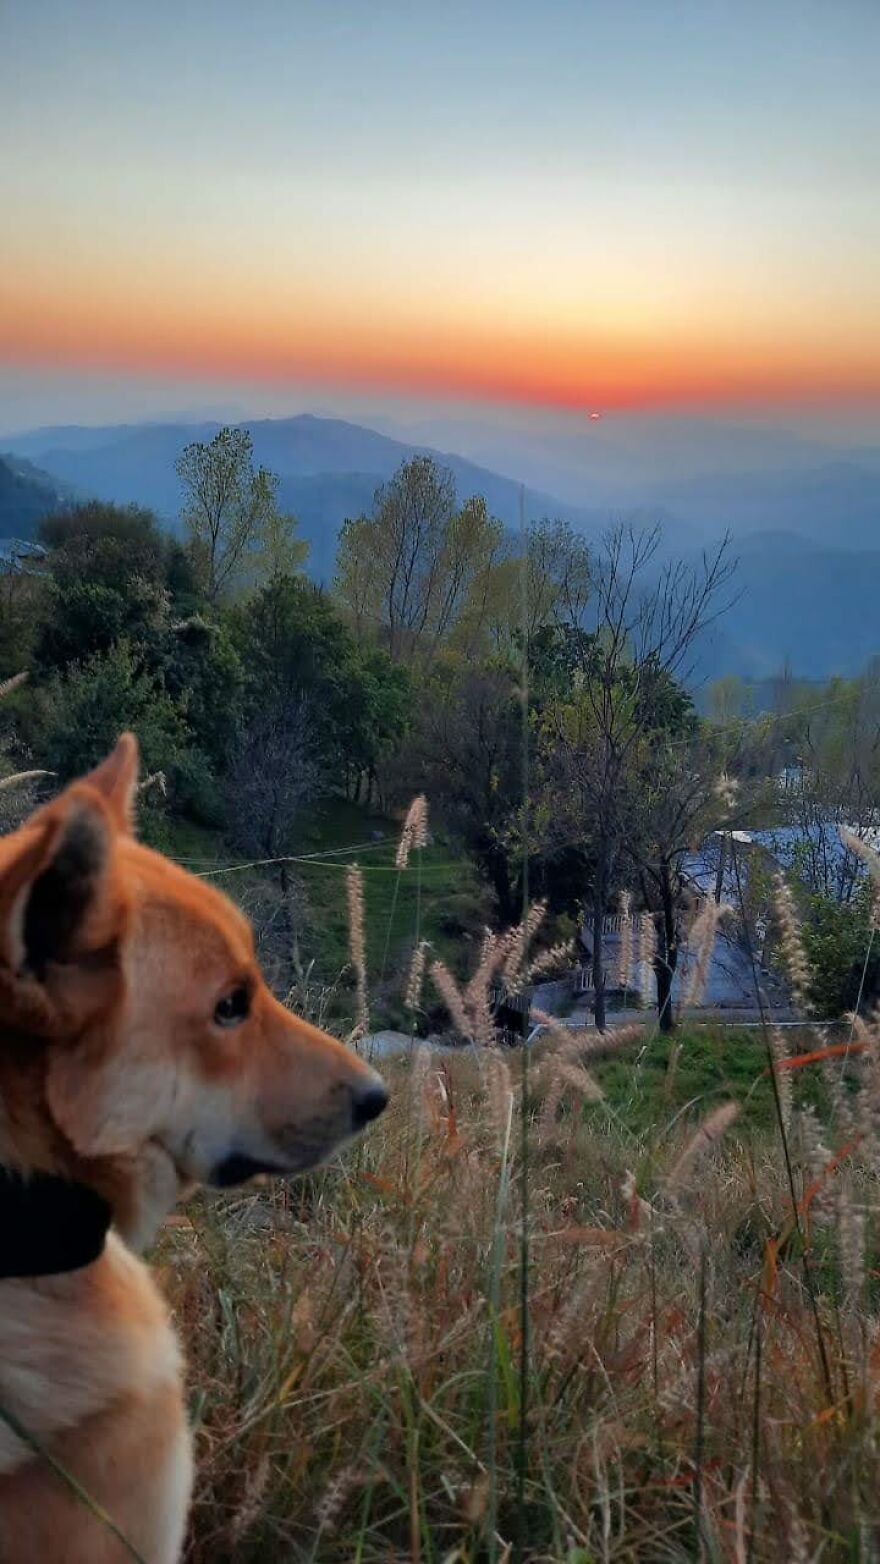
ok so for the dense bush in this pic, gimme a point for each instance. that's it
(844, 960)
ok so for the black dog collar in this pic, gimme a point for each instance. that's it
(48, 1225)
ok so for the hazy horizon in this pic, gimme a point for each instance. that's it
(31, 399)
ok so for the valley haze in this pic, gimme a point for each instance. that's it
(803, 511)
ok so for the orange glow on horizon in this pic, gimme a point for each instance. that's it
(331, 342)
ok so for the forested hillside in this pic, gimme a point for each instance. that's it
(278, 719)
(327, 469)
(809, 573)
(26, 496)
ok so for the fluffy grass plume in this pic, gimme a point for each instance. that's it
(414, 833)
(354, 888)
(701, 947)
(793, 954)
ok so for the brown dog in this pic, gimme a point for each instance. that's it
(140, 1052)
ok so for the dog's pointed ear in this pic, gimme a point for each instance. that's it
(60, 900)
(116, 779)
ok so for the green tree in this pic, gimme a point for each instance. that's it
(107, 570)
(84, 709)
(231, 514)
(294, 644)
(501, 606)
(23, 596)
(78, 716)
(201, 671)
(843, 957)
(467, 756)
(406, 573)
(375, 722)
(729, 699)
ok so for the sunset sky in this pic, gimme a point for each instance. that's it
(642, 204)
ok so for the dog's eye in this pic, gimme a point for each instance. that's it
(234, 1007)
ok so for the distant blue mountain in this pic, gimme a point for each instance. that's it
(802, 605)
(808, 539)
(329, 469)
(837, 503)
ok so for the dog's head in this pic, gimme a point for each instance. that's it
(165, 1059)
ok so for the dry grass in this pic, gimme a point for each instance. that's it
(702, 1378)
(354, 1347)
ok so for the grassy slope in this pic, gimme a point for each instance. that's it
(397, 913)
(448, 910)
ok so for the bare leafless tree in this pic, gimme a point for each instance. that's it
(647, 617)
(276, 771)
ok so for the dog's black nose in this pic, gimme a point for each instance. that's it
(368, 1102)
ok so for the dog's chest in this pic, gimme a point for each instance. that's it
(71, 1345)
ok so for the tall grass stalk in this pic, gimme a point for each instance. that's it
(354, 884)
(700, 1435)
(390, 924)
(495, 1267)
(809, 1281)
(756, 1437)
(522, 1444)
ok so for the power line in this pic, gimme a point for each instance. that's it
(314, 862)
(786, 716)
(329, 852)
(323, 860)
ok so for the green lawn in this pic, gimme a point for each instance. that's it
(695, 1070)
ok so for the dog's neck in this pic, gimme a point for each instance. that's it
(29, 1139)
(139, 1190)
(49, 1226)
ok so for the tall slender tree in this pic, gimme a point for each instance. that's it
(231, 513)
(647, 617)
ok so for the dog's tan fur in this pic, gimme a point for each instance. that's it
(115, 1072)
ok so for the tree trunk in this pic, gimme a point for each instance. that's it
(665, 1018)
(667, 951)
(598, 921)
(722, 864)
(498, 870)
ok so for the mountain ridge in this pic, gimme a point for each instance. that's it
(26, 495)
(321, 463)
(808, 589)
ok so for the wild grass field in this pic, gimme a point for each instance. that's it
(631, 1316)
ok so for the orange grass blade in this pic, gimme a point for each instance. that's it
(771, 1268)
(598, 1237)
(813, 1189)
(833, 1051)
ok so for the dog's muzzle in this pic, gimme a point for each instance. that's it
(368, 1100)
